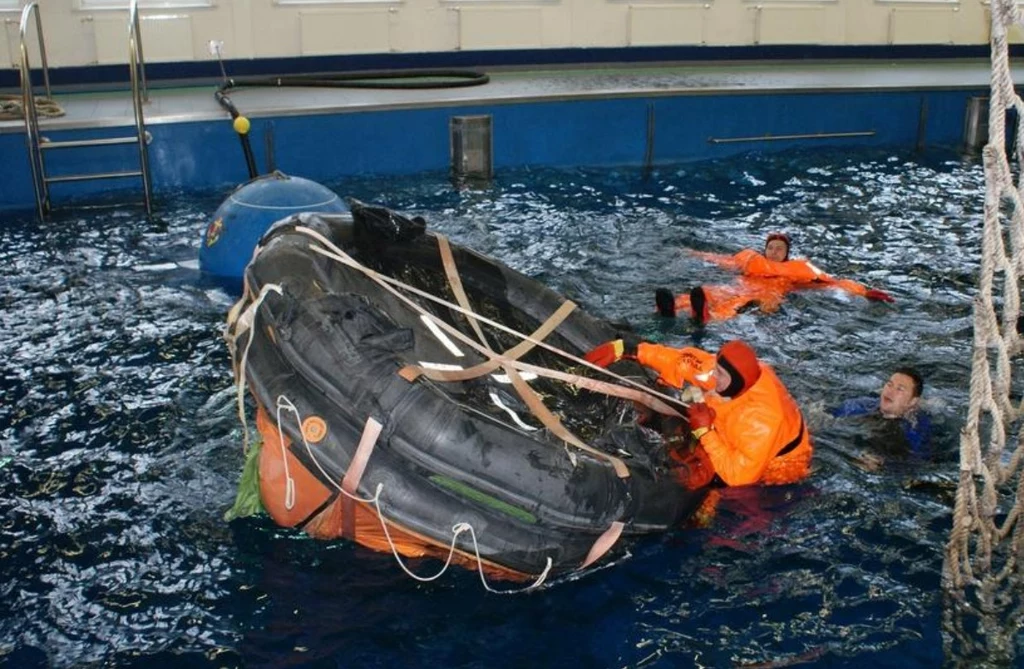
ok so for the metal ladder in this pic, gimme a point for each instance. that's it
(37, 145)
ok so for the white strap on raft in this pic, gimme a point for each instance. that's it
(285, 404)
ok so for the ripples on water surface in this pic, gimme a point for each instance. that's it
(121, 449)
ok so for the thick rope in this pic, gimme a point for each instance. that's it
(982, 571)
(12, 107)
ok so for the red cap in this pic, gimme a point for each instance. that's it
(741, 362)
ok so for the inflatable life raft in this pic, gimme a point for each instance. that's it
(415, 396)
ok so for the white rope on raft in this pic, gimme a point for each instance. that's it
(285, 404)
(246, 322)
(511, 366)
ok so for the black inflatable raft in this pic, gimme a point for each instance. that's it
(402, 422)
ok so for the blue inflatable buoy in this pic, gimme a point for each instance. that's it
(240, 221)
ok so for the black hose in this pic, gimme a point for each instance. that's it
(383, 79)
(380, 79)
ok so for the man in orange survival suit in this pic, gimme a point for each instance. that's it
(747, 430)
(766, 278)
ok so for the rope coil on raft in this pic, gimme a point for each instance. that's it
(982, 569)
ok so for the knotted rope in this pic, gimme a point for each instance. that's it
(982, 572)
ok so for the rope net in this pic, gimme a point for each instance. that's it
(982, 570)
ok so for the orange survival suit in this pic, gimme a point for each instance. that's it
(764, 282)
(757, 435)
(799, 271)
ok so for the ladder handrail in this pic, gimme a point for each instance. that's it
(135, 47)
(140, 94)
(35, 156)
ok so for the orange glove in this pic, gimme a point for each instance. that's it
(701, 418)
(679, 366)
(878, 295)
(610, 352)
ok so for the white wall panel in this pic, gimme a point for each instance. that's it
(921, 25)
(790, 25)
(664, 25)
(10, 54)
(344, 31)
(500, 27)
(165, 37)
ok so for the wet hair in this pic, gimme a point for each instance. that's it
(781, 237)
(915, 376)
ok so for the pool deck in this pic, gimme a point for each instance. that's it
(194, 103)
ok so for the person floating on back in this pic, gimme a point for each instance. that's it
(765, 278)
(746, 430)
(899, 400)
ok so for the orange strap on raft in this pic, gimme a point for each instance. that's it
(603, 543)
(354, 475)
(455, 281)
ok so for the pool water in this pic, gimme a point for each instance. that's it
(120, 448)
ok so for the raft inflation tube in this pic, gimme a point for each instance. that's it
(399, 408)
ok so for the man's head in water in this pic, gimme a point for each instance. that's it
(901, 394)
(776, 247)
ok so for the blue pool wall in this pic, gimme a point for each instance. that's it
(206, 156)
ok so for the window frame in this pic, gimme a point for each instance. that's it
(122, 5)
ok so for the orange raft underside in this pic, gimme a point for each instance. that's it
(311, 494)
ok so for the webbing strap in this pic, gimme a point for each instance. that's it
(354, 475)
(412, 372)
(455, 281)
(603, 543)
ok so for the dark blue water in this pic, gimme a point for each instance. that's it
(120, 449)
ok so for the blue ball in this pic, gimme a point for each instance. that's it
(247, 213)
